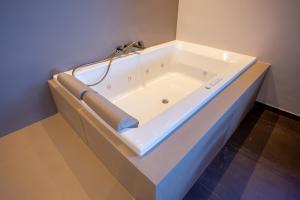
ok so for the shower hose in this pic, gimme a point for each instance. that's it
(108, 58)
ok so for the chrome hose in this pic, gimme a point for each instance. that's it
(103, 76)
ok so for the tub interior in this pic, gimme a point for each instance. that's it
(154, 97)
(150, 83)
(163, 86)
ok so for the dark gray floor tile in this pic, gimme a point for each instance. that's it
(265, 184)
(199, 192)
(260, 161)
(231, 181)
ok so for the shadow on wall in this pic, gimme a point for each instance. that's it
(266, 29)
(269, 89)
(34, 103)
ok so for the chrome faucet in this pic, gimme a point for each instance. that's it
(131, 47)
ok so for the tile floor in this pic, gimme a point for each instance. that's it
(260, 161)
(48, 161)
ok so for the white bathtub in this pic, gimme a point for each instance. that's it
(163, 86)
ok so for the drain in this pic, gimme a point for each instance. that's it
(165, 101)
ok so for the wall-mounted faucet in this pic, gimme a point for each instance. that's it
(130, 47)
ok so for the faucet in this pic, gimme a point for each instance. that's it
(131, 47)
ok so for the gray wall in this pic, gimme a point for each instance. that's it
(267, 29)
(38, 37)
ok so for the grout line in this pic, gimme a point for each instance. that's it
(279, 111)
(208, 190)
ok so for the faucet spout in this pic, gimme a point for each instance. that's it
(131, 47)
(139, 44)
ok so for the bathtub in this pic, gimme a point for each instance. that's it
(163, 86)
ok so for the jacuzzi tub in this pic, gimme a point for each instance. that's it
(163, 86)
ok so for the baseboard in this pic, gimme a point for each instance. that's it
(278, 111)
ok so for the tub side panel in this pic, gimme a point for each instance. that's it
(108, 149)
(177, 183)
(105, 145)
(68, 107)
(181, 178)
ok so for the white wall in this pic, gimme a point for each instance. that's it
(267, 29)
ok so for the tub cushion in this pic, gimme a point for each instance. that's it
(111, 114)
(73, 85)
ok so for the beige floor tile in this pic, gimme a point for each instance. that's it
(47, 160)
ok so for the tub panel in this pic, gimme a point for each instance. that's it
(108, 149)
(68, 107)
(181, 178)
